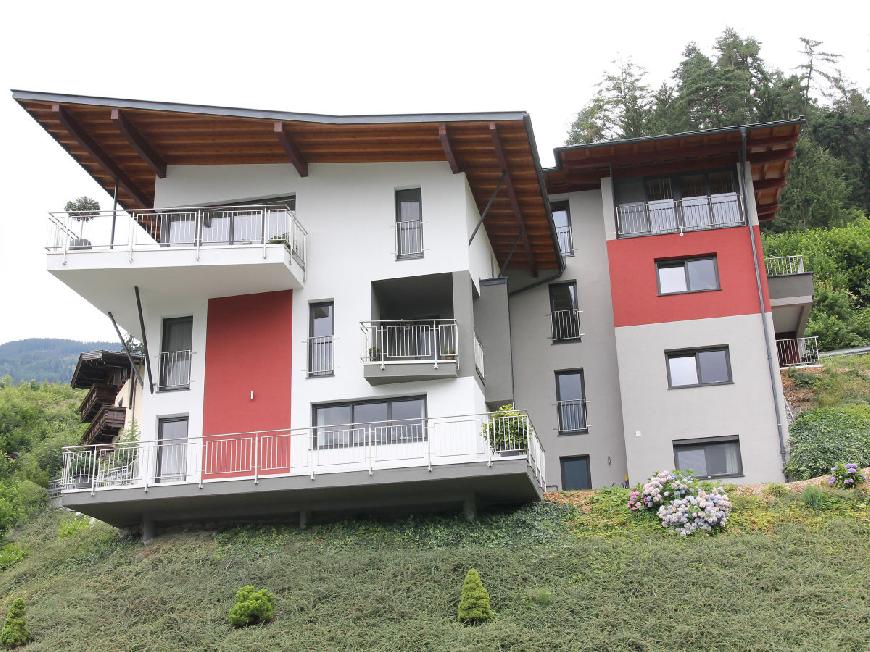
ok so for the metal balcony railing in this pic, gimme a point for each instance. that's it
(320, 356)
(401, 341)
(481, 438)
(566, 240)
(784, 265)
(192, 227)
(798, 352)
(478, 358)
(565, 325)
(679, 216)
(174, 370)
(409, 239)
(572, 415)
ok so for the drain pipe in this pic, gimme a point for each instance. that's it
(773, 369)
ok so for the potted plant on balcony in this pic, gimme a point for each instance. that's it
(82, 210)
(507, 430)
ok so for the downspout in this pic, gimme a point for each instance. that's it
(772, 369)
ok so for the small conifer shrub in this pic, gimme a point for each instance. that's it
(14, 632)
(252, 606)
(474, 601)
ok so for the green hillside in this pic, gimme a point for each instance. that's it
(789, 573)
(45, 359)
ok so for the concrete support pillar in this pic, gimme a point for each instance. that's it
(149, 530)
(304, 516)
(469, 508)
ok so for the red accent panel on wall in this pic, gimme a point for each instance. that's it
(247, 348)
(634, 287)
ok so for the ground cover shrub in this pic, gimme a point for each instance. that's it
(252, 606)
(70, 527)
(845, 476)
(474, 607)
(10, 554)
(14, 632)
(820, 438)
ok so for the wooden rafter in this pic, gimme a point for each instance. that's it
(290, 148)
(139, 143)
(88, 143)
(448, 150)
(512, 196)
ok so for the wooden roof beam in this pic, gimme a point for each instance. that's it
(448, 150)
(290, 148)
(139, 143)
(512, 195)
(84, 139)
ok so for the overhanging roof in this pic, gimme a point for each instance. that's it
(132, 141)
(770, 148)
(95, 367)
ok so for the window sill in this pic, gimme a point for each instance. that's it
(574, 340)
(570, 433)
(684, 292)
(409, 257)
(730, 382)
(329, 374)
(168, 390)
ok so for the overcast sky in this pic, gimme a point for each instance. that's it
(330, 57)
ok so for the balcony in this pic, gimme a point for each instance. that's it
(565, 325)
(420, 461)
(107, 423)
(798, 352)
(679, 215)
(790, 286)
(174, 370)
(400, 350)
(566, 240)
(180, 251)
(320, 356)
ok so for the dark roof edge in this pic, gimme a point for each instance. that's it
(205, 109)
(800, 120)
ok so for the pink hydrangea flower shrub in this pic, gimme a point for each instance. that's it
(707, 511)
(662, 488)
(845, 476)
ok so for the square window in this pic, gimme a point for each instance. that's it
(575, 473)
(707, 366)
(672, 278)
(713, 366)
(689, 275)
(702, 274)
(709, 458)
(683, 370)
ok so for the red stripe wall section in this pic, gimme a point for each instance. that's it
(633, 277)
(247, 349)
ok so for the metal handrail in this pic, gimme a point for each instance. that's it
(565, 236)
(179, 227)
(679, 216)
(395, 341)
(798, 351)
(572, 415)
(175, 369)
(409, 238)
(480, 438)
(565, 325)
(320, 355)
(784, 265)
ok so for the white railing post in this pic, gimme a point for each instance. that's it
(93, 469)
(256, 441)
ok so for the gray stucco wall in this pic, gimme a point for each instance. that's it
(492, 325)
(535, 358)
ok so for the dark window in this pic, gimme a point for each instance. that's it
(409, 223)
(175, 353)
(391, 421)
(562, 220)
(658, 188)
(691, 367)
(575, 472)
(571, 401)
(564, 314)
(171, 449)
(321, 326)
(687, 275)
(707, 458)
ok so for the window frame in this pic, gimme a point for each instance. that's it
(576, 301)
(311, 306)
(704, 442)
(166, 321)
(396, 221)
(684, 262)
(696, 350)
(582, 374)
(568, 458)
(389, 400)
(564, 205)
(159, 462)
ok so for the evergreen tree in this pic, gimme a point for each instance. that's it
(14, 632)
(474, 605)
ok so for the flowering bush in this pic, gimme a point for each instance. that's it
(681, 503)
(662, 488)
(707, 511)
(845, 476)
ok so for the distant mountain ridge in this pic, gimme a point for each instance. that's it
(45, 359)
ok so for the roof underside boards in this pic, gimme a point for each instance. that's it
(98, 367)
(770, 148)
(133, 141)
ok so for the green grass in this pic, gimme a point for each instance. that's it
(841, 380)
(582, 575)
